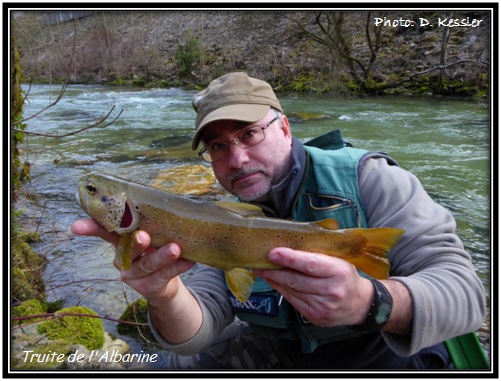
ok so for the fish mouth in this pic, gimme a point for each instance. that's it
(127, 218)
(128, 222)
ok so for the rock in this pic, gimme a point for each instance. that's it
(196, 180)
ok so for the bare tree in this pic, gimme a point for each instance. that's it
(18, 125)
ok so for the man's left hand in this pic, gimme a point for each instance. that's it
(327, 291)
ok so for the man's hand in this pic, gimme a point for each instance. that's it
(326, 290)
(155, 275)
(151, 270)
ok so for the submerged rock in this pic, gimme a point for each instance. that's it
(194, 180)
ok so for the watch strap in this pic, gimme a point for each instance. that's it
(380, 308)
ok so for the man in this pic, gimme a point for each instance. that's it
(323, 313)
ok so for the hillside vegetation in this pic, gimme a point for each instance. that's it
(307, 51)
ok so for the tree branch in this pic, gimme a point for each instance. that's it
(97, 124)
(56, 315)
(63, 88)
(440, 67)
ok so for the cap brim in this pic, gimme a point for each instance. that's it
(241, 112)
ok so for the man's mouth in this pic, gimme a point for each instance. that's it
(243, 175)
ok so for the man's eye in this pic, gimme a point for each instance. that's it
(217, 147)
(249, 134)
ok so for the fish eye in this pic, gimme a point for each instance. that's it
(91, 188)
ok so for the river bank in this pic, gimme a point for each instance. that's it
(294, 51)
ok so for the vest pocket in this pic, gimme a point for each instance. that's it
(340, 208)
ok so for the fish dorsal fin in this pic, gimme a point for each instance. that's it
(240, 282)
(328, 223)
(242, 208)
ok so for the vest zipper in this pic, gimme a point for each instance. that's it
(305, 173)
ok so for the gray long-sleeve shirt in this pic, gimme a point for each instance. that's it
(429, 260)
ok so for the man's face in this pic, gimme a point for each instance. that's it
(250, 173)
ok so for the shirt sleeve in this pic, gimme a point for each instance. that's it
(209, 289)
(448, 296)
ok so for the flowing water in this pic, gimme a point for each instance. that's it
(445, 142)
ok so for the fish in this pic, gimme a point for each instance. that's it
(232, 236)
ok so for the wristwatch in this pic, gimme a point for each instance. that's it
(380, 309)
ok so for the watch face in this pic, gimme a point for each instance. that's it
(383, 313)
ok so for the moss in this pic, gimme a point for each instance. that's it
(83, 330)
(26, 285)
(28, 308)
(27, 266)
(141, 82)
(137, 313)
(118, 82)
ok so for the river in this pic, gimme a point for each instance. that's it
(445, 142)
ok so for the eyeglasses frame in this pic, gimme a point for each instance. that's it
(228, 142)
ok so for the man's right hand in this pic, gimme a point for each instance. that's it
(154, 272)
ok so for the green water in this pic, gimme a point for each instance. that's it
(444, 142)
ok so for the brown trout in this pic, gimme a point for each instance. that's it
(232, 236)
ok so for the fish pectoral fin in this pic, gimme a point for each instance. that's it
(123, 251)
(242, 208)
(328, 223)
(240, 282)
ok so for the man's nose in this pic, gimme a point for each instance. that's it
(236, 155)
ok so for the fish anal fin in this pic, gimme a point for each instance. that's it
(242, 208)
(328, 223)
(240, 282)
(123, 251)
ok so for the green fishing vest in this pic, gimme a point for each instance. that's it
(329, 190)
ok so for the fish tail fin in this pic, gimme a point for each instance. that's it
(374, 259)
(123, 251)
(240, 282)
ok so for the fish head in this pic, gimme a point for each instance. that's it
(104, 198)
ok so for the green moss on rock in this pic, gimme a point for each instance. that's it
(28, 308)
(83, 330)
(27, 267)
(136, 313)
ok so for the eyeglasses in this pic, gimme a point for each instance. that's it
(248, 137)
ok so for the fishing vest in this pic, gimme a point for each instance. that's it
(329, 190)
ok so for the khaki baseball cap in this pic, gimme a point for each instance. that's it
(234, 96)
